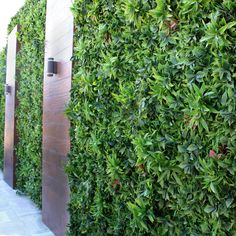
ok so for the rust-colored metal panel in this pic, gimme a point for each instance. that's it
(56, 140)
(10, 137)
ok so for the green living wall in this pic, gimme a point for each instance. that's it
(2, 103)
(153, 118)
(30, 65)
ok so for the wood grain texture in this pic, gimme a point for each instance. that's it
(56, 140)
(10, 136)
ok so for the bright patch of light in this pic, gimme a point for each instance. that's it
(8, 8)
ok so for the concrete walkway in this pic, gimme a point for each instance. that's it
(18, 215)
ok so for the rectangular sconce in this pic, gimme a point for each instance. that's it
(7, 89)
(52, 67)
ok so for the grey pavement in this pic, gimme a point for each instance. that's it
(18, 215)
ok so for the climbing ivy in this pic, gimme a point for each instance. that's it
(153, 118)
(30, 64)
(2, 103)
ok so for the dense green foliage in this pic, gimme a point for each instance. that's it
(2, 103)
(153, 118)
(30, 64)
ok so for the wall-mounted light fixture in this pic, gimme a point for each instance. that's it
(7, 89)
(52, 67)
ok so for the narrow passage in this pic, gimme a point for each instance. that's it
(18, 215)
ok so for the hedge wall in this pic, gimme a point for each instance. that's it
(2, 103)
(153, 118)
(30, 64)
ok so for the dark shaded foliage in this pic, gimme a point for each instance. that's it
(30, 66)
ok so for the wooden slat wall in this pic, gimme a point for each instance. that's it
(56, 140)
(10, 137)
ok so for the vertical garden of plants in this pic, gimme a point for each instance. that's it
(153, 118)
(2, 103)
(30, 66)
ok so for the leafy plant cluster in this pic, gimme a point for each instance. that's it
(30, 65)
(153, 118)
(2, 103)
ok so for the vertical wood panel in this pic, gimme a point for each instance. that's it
(56, 140)
(10, 137)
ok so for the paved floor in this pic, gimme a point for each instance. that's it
(18, 215)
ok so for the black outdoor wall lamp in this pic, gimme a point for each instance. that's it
(7, 89)
(52, 67)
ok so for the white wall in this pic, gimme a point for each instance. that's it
(8, 8)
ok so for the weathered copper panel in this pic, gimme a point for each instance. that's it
(56, 140)
(10, 136)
